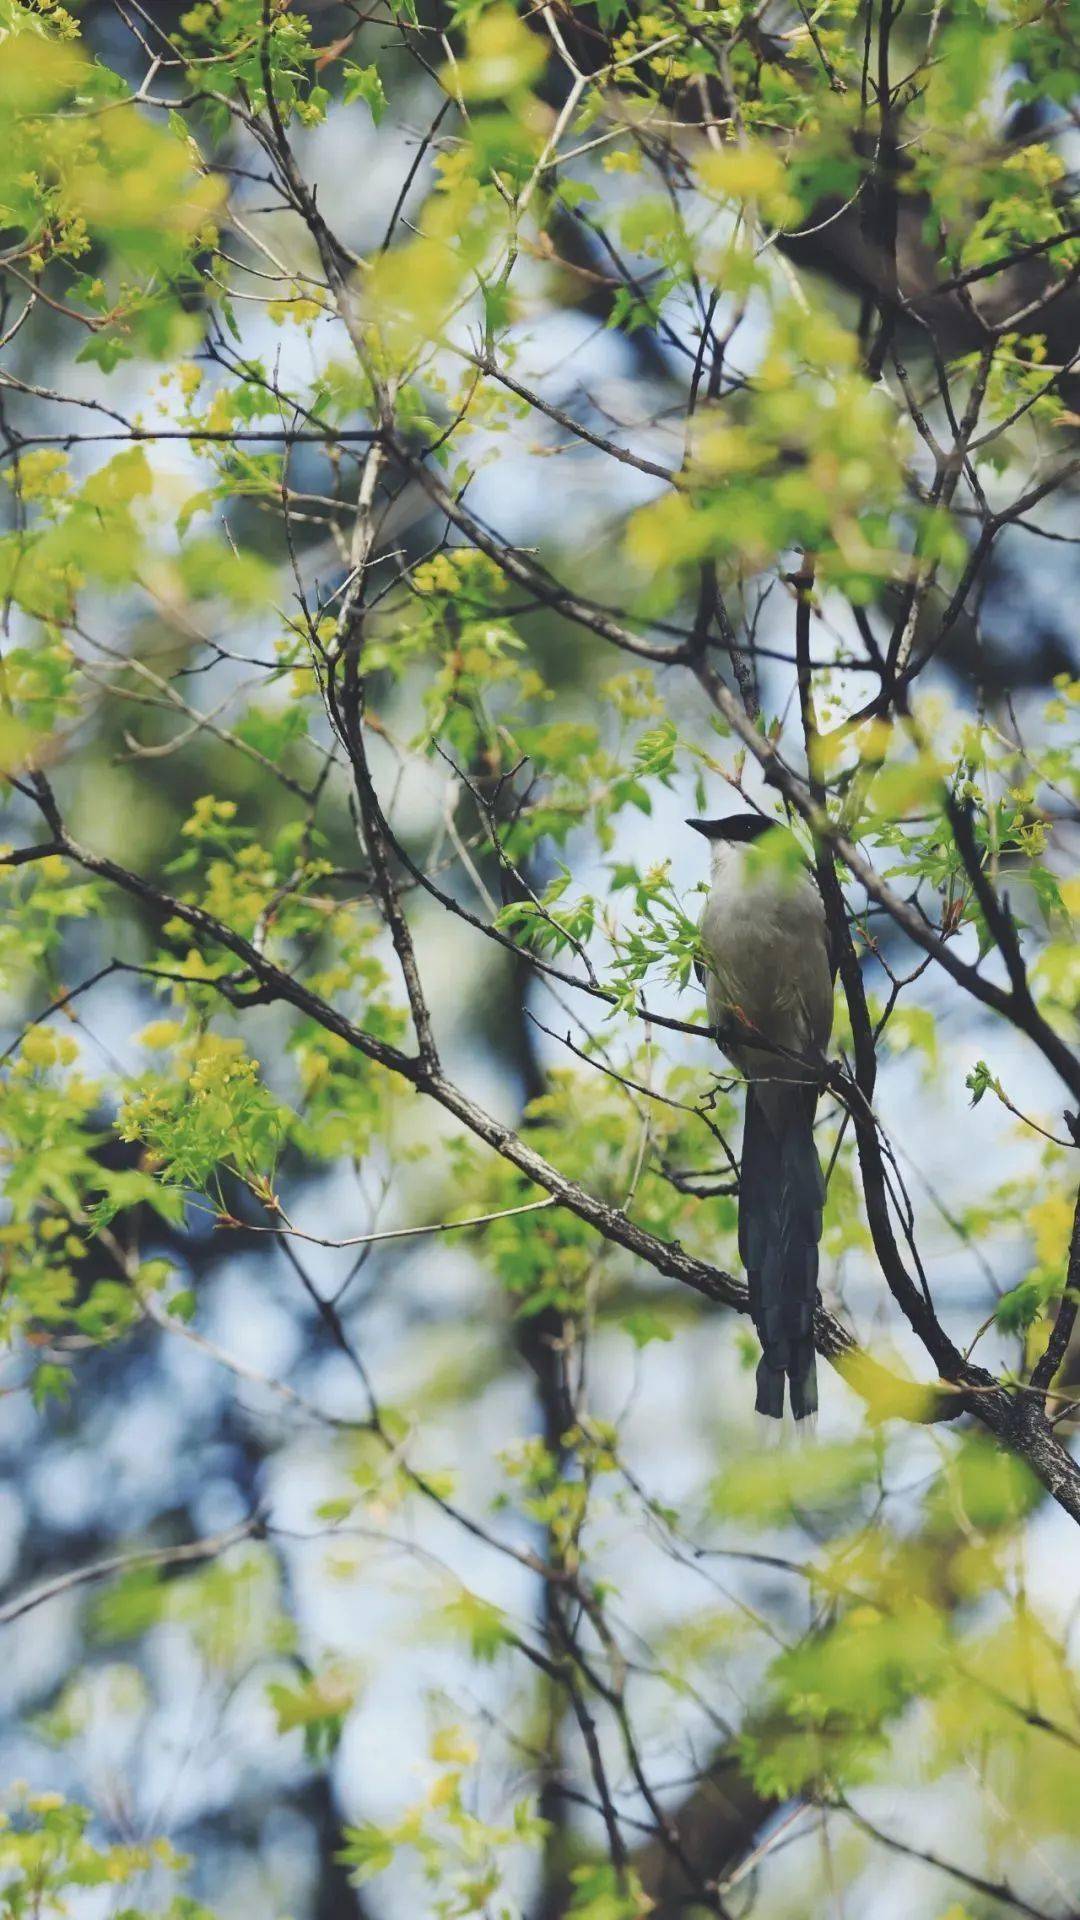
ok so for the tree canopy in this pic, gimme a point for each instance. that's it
(442, 446)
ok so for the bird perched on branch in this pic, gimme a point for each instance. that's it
(768, 985)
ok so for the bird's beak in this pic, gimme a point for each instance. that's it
(706, 827)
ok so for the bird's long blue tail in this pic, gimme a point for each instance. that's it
(781, 1194)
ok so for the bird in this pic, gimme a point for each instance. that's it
(768, 983)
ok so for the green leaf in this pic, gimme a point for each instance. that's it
(602, 1894)
(319, 1707)
(644, 1326)
(484, 1626)
(365, 83)
(105, 350)
(368, 1850)
(979, 1081)
(50, 1382)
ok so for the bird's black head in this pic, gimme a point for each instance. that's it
(736, 827)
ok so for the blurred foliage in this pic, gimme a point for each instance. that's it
(296, 704)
